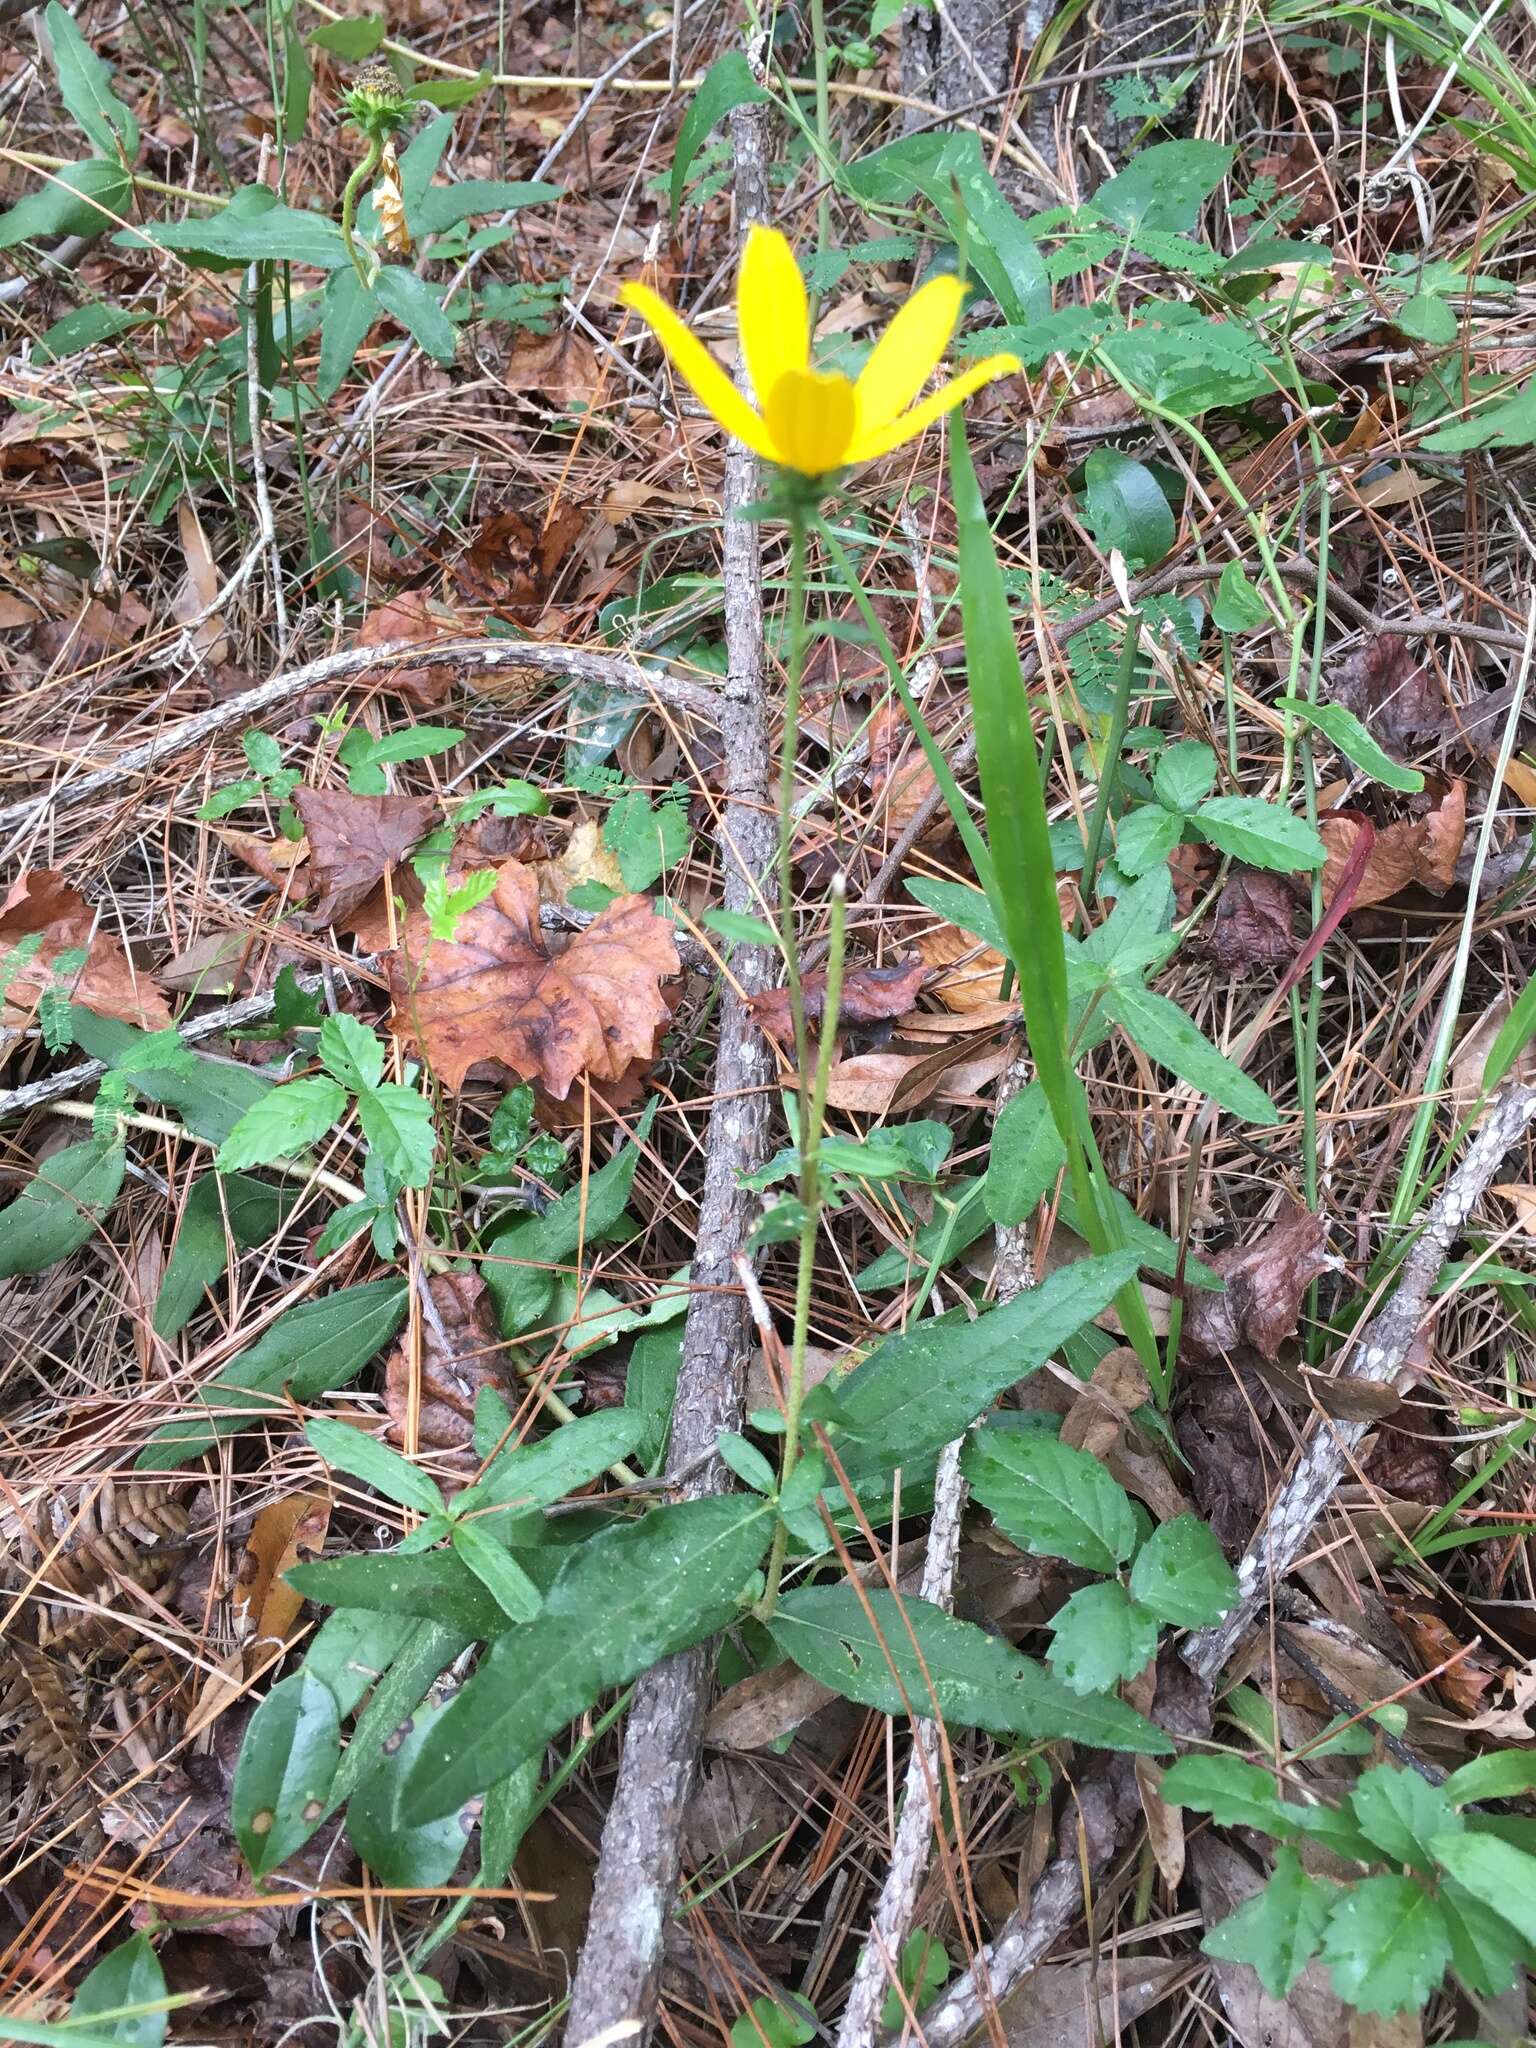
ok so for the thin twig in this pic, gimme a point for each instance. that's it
(1384, 1347)
(617, 1975)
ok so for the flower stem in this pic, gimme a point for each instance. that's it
(354, 185)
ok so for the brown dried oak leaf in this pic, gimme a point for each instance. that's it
(40, 900)
(352, 840)
(1410, 851)
(1266, 1282)
(461, 1352)
(871, 995)
(494, 992)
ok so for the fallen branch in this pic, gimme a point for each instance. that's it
(1379, 1359)
(618, 1972)
(472, 659)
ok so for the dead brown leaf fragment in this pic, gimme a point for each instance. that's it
(495, 992)
(1267, 1281)
(871, 995)
(461, 1352)
(1388, 691)
(1253, 923)
(1411, 852)
(41, 901)
(352, 841)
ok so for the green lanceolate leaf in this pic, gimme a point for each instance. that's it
(728, 83)
(1502, 1774)
(427, 1652)
(85, 86)
(77, 199)
(396, 1854)
(977, 1680)
(210, 1096)
(129, 1974)
(254, 228)
(917, 1392)
(284, 1774)
(1050, 1499)
(351, 1450)
(1386, 1945)
(1181, 1575)
(1354, 741)
(61, 1207)
(412, 301)
(1099, 1637)
(518, 1261)
(536, 1475)
(626, 1598)
(355, 37)
(1126, 507)
(1026, 1158)
(310, 1350)
(353, 1648)
(350, 311)
(443, 206)
(221, 1208)
(500, 1574)
(1163, 187)
(434, 1585)
(1278, 1930)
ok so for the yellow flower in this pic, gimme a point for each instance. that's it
(817, 421)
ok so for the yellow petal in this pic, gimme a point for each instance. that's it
(771, 310)
(882, 437)
(699, 370)
(908, 352)
(812, 415)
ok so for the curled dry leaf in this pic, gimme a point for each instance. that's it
(968, 975)
(461, 1352)
(871, 995)
(265, 1608)
(352, 841)
(1410, 852)
(40, 900)
(585, 859)
(512, 562)
(495, 992)
(1266, 1283)
(1253, 923)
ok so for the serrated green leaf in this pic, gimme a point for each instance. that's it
(1262, 834)
(917, 1392)
(1026, 1158)
(287, 1761)
(282, 1123)
(625, 1598)
(375, 1463)
(1501, 1774)
(1386, 1945)
(1148, 835)
(1354, 741)
(351, 1053)
(1401, 1813)
(1278, 1930)
(1495, 1872)
(1486, 1952)
(1051, 1499)
(129, 1974)
(1184, 775)
(1099, 1637)
(1181, 1575)
(1126, 507)
(61, 1207)
(398, 1124)
(1234, 1794)
(978, 1680)
(1164, 186)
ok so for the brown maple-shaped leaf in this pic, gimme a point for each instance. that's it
(871, 995)
(1266, 1283)
(352, 840)
(108, 983)
(495, 993)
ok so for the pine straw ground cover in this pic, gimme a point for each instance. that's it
(439, 928)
